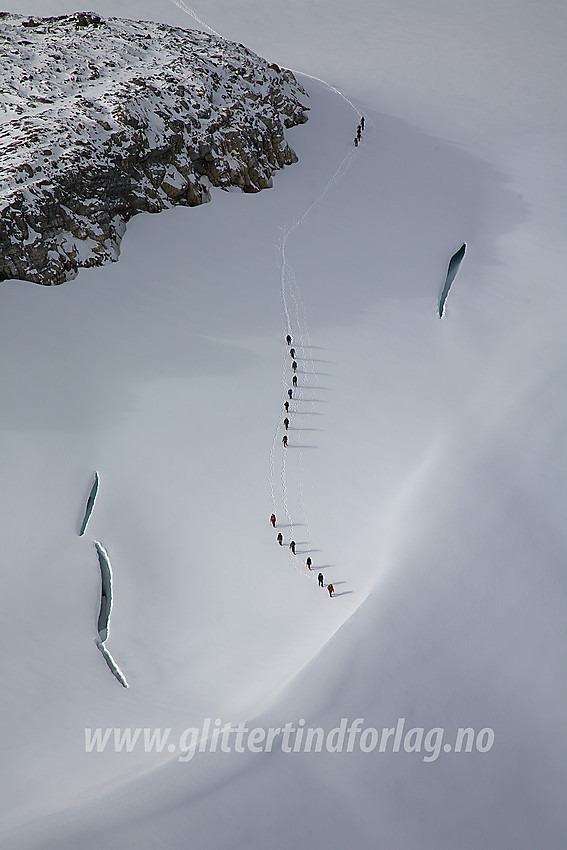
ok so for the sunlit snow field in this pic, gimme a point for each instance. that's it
(424, 475)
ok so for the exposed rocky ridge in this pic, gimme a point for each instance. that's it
(105, 118)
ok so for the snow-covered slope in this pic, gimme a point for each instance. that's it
(102, 119)
(425, 470)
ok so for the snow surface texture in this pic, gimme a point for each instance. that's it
(436, 490)
(102, 119)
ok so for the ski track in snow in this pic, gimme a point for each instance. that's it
(184, 8)
(289, 290)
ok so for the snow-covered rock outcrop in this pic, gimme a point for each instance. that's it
(104, 118)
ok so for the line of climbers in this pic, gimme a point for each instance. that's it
(359, 131)
(279, 537)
